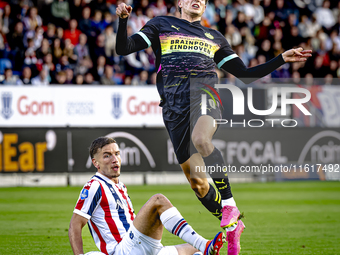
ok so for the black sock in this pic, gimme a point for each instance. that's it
(221, 180)
(212, 201)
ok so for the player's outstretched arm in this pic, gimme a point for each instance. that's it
(124, 44)
(237, 68)
(74, 233)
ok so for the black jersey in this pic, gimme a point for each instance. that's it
(184, 50)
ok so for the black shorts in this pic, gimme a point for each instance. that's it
(180, 127)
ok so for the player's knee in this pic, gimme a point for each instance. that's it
(201, 143)
(160, 200)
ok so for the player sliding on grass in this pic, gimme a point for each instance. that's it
(105, 205)
(186, 56)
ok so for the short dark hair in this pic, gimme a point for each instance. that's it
(180, 9)
(99, 143)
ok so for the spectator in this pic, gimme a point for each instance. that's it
(41, 79)
(305, 27)
(159, 8)
(25, 78)
(296, 78)
(60, 11)
(153, 78)
(61, 78)
(151, 59)
(110, 44)
(15, 42)
(69, 51)
(30, 57)
(99, 69)
(63, 64)
(127, 80)
(85, 23)
(60, 34)
(49, 66)
(138, 20)
(7, 20)
(324, 16)
(107, 21)
(81, 49)
(141, 79)
(4, 49)
(89, 79)
(79, 79)
(84, 65)
(76, 7)
(259, 12)
(281, 13)
(99, 48)
(50, 34)
(33, 20)
(96, 21)
(99, 5)
(266, 50)
(44, 49)
(69, 76)
(233, 36)
(9, 78)
(107, 78)
(73, 33)
(57, 51)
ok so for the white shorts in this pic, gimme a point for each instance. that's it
(136, 243)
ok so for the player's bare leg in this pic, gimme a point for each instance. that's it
(202, 139)
(158, 212)
(198, 180)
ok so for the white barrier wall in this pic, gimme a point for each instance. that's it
(86, 106)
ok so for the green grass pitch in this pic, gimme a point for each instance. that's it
(280, 218)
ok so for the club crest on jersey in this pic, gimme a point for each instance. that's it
(209, 36)
(84, 194)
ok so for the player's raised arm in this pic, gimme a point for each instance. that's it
(74, 233)
(236, 67)
(124, 44)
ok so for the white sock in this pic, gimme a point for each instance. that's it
(229, 201)
(175, 224)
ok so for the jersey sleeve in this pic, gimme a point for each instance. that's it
(224, 54)
(150, 31)
(229, 61)
(89, 199)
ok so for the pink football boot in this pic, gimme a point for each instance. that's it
(230, 216)
(233, 238)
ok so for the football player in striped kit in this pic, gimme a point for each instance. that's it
(105, 206)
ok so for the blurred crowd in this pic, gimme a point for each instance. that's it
(46, 42)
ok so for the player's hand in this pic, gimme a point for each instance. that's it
(296, 55)
(123, 11)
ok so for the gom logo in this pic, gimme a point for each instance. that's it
(26, 107)
(134, 106)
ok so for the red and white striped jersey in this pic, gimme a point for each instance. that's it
(108, 209)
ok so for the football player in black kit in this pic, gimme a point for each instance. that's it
(186, 56)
